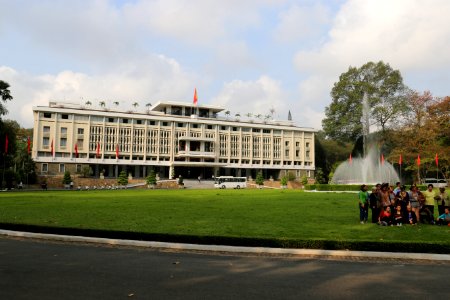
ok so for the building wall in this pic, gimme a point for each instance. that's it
(157, 140)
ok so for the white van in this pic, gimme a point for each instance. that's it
(435, 182)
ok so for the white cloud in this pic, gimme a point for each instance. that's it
(198, 22)
(255, 97)
(148, 81)
(412, 36)
(300, 22)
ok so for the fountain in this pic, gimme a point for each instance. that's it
(370, 168)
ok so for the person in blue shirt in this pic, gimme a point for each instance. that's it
(444, 219)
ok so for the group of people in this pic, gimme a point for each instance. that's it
(396, 206)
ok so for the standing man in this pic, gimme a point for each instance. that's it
(429, 195)
(363, 197)
(443, 200)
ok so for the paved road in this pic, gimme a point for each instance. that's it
(49, 270)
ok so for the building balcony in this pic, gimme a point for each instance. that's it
(198, 154)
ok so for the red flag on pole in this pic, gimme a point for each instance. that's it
(6, 144)
(350, 159)
(117, 151)
(28, 145)
(382, 158)
(436, 159)
(98, 149)
(400, 160)
(195, 96)
(76, 150)
(418, 160)
(51, 148)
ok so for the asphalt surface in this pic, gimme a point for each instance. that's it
(42, 269)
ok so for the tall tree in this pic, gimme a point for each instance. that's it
(5, 95)
(426, 132)
(385, 91)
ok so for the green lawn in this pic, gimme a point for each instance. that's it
(260, 214)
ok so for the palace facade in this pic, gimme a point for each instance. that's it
(172, 138)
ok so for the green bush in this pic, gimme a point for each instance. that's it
(304, 179)
(123, 178)
(151, 178)
(259, 178)
(334, 187)
(67, 179)
(284, 180)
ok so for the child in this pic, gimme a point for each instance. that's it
(444, 219)
(411, 217)
(398, 216)
(385, 217)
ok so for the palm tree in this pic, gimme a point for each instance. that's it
(266, 117)
(88, 103)
(116, 103)
(148, 105)
(227, 113)
(5, 96)
(258, 116)
(237, 116)
(135, 104)
(272, 111)
(102, 104)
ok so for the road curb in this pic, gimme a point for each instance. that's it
(229, 249)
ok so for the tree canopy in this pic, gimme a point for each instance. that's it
(385, 91)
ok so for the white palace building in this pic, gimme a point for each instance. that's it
(172, 138)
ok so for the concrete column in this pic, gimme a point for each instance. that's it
(137, 170)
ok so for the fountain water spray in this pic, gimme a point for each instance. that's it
(369, 168)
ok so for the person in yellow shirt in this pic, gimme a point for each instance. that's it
(429, 195)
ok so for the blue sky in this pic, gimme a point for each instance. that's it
(248, 56)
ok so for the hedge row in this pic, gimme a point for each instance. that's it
(345, 187)
(383, 246)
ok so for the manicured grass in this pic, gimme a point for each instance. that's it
(256, 214)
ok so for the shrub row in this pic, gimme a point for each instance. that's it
(333, 187)
(418, 247)
(345, 187)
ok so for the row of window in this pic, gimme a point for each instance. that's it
(165, 124)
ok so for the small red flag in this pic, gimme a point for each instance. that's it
(76, 150)
(51, 148)
(350, 159)
(28, 145)
(117, 151)
(6, 144)
(195, 96)
(382, 158)
(400, 160)
(436, 159)
(418, 160)
(98, 150)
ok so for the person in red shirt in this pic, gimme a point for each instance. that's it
(385, 218)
